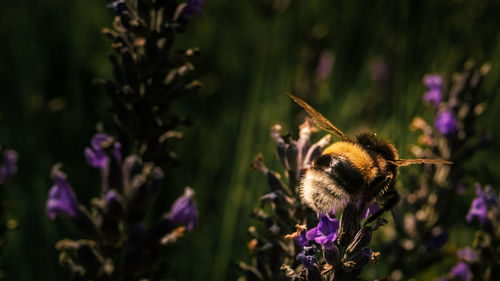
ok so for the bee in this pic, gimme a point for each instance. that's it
(352, 170)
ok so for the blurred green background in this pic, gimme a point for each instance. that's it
(52, 49)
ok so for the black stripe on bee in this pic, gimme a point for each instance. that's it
(342, 171)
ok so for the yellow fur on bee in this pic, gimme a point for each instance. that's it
(356, 155)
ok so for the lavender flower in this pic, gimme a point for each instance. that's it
(8, 167)
(467, 254)
(438, 239)
(113, 203)
(371, 209)
(326, 231)
(446, 123)
(302, 239)
(192, 7)
(462, 271)
(489, 196)
(478, 207)
(96, 155)
(183, 211)
(307, 256)
(62, 199)
(434, 82)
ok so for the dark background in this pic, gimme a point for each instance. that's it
(52, 49)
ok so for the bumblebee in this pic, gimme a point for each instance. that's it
(352, 170)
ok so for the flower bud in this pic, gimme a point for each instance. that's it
(280, 142)
(183, 210)
(331, 254)
(315, 150)
(62, 199)
(361, 240)
(349, 224)
(292, 153)
(143, 189)
(114, 204)
(131, 167)
(362, 258)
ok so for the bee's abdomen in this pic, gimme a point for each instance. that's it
(320, 192)
(346, 175)
(341, 171)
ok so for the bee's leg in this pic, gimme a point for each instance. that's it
(377, 187)
(391, 198)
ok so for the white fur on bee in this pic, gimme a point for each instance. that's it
(321, 193)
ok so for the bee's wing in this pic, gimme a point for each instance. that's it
(318, 119)
(406, 162)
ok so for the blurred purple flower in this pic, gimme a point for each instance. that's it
(62, 199)
(446, 123)
(460, 189)
(438, 239)
(307, 256)
(96, 156)
(111, 195)
(479, 207)
(302, 239)
(118, 7)
(183, 211)
(467, 254)
(371, 209)
(326, 231)
(325, 65)
(8, 167)
(434, 82)
(462, 271)
(192, 7)
(489, 196)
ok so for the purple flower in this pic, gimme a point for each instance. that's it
(96, 155)
(467, 254)
(460, 189)
(371, 209)
(192, 7)
(446, 123)
(62, 199)
(438, 239)
(462, 271)
(325, 65)
(111, 195)
(489, 196)
(326, 231)
(302, 239)
(434, 82)
(183, 211)
(307, 256)
(8, 167)
(478, 208)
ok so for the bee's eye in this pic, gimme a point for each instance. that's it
(323, 161)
